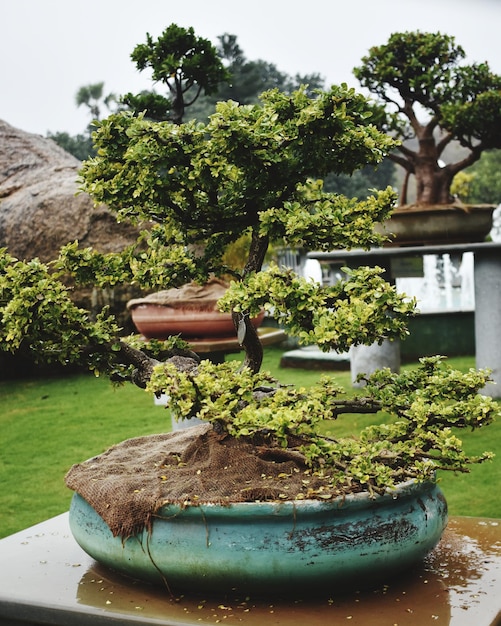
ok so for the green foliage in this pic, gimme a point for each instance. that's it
(362, 309)
(38, 316)
(417, 74)
(461, 186)
(315, 218)
(151, 265)
(475, 116)
(158, 348)
(485, 184)
(153, 105)
(181, 61)
(247, 171)
(424, 405)
(417, 66)
(179, 53)
(215, 181)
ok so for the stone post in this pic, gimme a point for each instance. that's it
(487, 274)
(368, 359)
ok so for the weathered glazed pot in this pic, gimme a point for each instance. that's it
(441, 224)
(267, 547)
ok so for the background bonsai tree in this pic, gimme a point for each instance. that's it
(184, 63)
(429, 98)
(197, 188)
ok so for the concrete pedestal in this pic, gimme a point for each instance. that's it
(368, 359)
(45, 578)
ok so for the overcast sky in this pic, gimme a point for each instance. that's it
(50, 48)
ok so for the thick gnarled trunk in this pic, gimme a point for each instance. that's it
(433, 178)
(433, 184)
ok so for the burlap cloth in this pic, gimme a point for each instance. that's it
(131, 481)
(190, 296)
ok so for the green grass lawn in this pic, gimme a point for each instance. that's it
(49, 424)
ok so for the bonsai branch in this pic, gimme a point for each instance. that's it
(469, 159)
(356, 405)
(257, 252)
(402, 161)
(144, 364)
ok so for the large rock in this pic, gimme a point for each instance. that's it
(40, 209)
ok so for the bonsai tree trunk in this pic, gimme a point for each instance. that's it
(432, 182)
(246, 332)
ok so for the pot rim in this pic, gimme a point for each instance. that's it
(410, 209)
(258, 508)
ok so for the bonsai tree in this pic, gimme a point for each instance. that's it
(182, 62)
(428, 99)
(197, 188)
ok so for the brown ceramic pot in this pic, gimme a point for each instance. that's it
(441, 224)
(155, 321)
(190, 311)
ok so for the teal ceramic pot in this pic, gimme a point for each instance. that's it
(269, 547)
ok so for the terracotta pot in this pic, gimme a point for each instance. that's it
(270, 546)
(190, 311)
(158, 322)
(441, 224)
